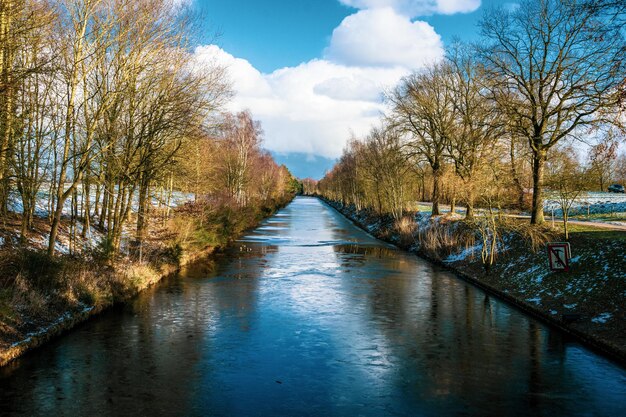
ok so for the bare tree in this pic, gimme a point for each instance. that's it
(559, 67)
(385, 169)
(33, 114)
(423, 108)
(478, 124)
(22, 24)
(602, 160)
(85, 34)
(566, 182)
(241, 136)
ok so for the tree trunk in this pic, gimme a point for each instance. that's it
(601, 182)
(436, 181)
(516, 181)
(539, 159)
(86, 206)
(24, 228)
(96, 200)
(54, 228)
(6, 95)
(170, 190)
(116, 230)
(108, 207)
(469, 209)
(142, 210)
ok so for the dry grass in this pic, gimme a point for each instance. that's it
(441, 239)
(136, 277)
(406, 229)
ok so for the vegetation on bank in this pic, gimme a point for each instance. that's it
(588, 299)
(497, 127)
(36, 289)
(118, 160)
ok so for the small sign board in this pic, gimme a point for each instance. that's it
(559, 255)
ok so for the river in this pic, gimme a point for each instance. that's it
(307, 315)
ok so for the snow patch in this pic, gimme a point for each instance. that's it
(464, 254)
(596, 203)
(44, 330)
(602, 318)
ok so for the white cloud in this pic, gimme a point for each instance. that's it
(382, 37)
(415, 8)
(349, 88)
(313, 108)
(250, 82)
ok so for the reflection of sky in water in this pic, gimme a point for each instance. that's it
(307, 315)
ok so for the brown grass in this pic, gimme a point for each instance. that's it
(441, 239)
(406, 230)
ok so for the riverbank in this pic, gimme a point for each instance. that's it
(586, 302)
(43, 297)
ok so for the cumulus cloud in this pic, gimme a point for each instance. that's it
(382, 37)
(349, 88)
(314, 107)
(250, 82)
(311, 108)
(414, 8)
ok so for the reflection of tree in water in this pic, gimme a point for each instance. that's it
(131, 361)
(355, 255)
(456, 342)
(143, 357)
(234, 290)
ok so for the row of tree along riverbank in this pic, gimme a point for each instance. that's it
(499, 123)
(42, 296)
(109, 126)
(506, 257)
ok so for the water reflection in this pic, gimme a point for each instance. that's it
(308, 315)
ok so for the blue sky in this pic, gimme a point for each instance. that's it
(313, 71)
(274, 34)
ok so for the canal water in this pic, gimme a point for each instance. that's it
(309, 316)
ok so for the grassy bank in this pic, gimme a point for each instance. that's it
(587, 301)
(42, 296)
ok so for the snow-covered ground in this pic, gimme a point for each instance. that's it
(93, 236)
(42, 210)
(595, 202)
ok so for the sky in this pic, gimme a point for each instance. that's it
(314, 71)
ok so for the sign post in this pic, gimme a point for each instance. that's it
(559, 255)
